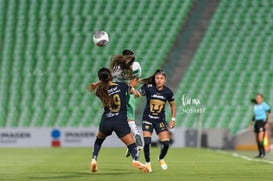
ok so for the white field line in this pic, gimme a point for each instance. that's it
(246, 157)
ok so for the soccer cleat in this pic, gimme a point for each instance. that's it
(149, 166)
(163, 164)
(93, 166)
(140, 165)
(261, 155)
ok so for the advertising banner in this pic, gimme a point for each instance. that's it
(68, 137)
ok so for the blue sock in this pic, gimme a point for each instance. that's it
(164, 149)
(147, 145)
(97, 147)
(133, 150)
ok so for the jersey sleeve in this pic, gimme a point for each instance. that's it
(171, 96)
(143, 90)
(123, 86)
(266, 107)
(126, 86)
(136, 70)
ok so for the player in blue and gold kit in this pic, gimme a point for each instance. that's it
(124, 68)
(114, 118)
(261, 119)
(124, 71)
(157, 94)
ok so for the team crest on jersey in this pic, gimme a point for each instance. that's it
(147, 127)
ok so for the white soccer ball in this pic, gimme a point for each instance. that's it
(101, 38)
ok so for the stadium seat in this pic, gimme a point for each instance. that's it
(48, 49)
(237, 55)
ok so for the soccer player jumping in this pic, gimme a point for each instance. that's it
(124, 72)
(124, 68)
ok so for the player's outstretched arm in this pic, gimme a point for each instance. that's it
(93, 86)
(134, 82)
(268, 119)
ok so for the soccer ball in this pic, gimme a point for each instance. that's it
(101, 38)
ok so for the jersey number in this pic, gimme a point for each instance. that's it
(116, 103)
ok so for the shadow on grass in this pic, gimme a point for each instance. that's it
(73, 175)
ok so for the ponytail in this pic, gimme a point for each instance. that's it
(151, 79)
(101, 89)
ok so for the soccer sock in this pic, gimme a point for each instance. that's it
(133, 150)
(97, 147)
(262, 148)
(133, 127)
(164, 149)
(259, 148)
(147, 145)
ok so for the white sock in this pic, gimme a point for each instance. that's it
(133, 127)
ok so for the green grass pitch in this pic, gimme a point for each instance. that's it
(184, 164)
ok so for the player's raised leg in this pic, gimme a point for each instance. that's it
(129, 141)
(131, 107)
(132, 123)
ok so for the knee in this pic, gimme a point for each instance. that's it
(99, 141)
(165, 143)
(147, 140)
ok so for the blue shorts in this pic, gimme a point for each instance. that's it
(118, 125)
(158, 125)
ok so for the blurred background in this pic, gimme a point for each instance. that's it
(217, 55)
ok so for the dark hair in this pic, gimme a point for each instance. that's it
(151, 79)
(130, 53)
(254, 100)
(105, 76)
(124, 62)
